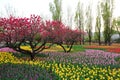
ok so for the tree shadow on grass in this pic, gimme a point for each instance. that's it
(10, 71)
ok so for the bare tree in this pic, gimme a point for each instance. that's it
(10, 11)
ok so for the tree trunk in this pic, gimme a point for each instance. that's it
(66, 51)
(119, 35)
(89, 40)
(63, 47)
(70, 47)
(109, 41)
(105, 42)
(32, 56)
(99, 40)
(83, 40)
(80, 38)
(90, 37)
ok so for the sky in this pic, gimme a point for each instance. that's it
(25, 8)
(41, 7)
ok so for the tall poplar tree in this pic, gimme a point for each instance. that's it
(56, 10)
(107, 14)
(79, 19)
(98, 24)
(89, 20)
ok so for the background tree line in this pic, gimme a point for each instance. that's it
(105, 25)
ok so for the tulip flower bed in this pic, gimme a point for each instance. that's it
(89, 57)
(113, 48)
(88, 65)
(116, 50)
(57, 48)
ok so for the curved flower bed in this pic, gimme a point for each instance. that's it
(53, 70)
(96, 57)
(7, 49)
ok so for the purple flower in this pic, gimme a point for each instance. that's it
(6, 49)
(97, 57)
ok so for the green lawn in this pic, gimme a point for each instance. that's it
(75, 48)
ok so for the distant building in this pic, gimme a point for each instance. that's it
(115, 36)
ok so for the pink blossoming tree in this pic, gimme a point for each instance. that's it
(18, 31)
(33, 32)
(60, 34)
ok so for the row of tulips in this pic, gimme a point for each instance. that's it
(115, 49)
(12, 68)
(84, 72)
(54, 69)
